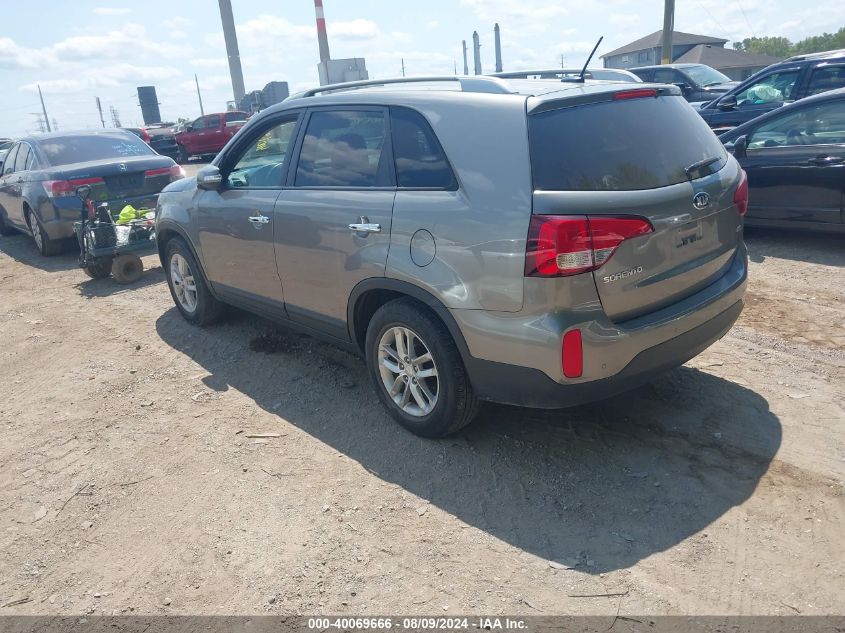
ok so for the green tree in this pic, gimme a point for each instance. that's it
(774, 46)
(824, 42)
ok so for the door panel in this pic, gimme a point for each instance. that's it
(343, 176)
(320, 258)
(235, 229)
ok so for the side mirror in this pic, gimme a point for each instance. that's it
(189, 128)
(685, 87)
(741, 147)
(209, 178)
(84, 192)
(728, 103)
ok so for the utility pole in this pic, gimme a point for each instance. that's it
(44, 109)
(232, 52)
(199, 96)
(100, 110)
(497, 37)
(466, 64)
(668, 27)
(403, 66)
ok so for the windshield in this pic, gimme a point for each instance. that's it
(705, 76)
(66, 150)
(621, 146)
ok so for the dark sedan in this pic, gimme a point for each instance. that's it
(795, 160)
(698, 82)
(41, 173)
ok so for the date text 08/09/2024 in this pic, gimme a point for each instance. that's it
(418, 623)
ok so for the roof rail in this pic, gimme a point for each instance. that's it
(477, 83)
(818, 55)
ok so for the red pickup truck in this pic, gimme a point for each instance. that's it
(208, 134)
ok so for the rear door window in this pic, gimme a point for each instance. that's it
(666, 76)
(641, 143)
(420, 161)
(344, 148)
(22, 157)
(826, 78)
(212, 122)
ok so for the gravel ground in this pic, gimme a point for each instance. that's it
(131, 480)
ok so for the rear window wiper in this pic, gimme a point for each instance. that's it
(699, 165)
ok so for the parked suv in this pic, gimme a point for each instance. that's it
(208, 134)
(698, 82)
(538, 243)
(795, 78)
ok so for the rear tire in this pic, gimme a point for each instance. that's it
(417, 370)
(127, 269)
(188, 287)
(43, 243)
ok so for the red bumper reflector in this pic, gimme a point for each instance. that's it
(572, 354)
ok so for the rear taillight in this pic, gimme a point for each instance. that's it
(572, 355)
(564, 245)
(640, 93)
(175, 172)
(145, 136)
(62, 188)
(741, 194)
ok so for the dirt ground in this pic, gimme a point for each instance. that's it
(130, 480)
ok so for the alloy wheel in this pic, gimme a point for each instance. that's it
(184, 285)
(408, 371)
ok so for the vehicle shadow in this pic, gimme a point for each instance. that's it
(21, 248)
(599, 487)
(803, 246)
(92, 288)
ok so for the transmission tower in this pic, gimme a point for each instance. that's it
(115, 116)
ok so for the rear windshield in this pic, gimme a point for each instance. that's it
(66, 150)
(620, 145)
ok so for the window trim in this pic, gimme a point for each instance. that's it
(387, 151)
(399, 187)
(261, 127)
(29, 147)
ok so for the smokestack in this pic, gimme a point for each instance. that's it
(466, 65)
(498, 38)
(231, 38)
(476, 52)
(322, 37)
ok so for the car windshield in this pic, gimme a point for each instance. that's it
(66, 150)
(705, 76)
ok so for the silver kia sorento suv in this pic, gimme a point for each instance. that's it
(538, 243)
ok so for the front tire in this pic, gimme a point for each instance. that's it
(188, 287)
(99, 268)
(417, 370)
(5, 228)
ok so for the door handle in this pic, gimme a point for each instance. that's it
(259, 219)
(827, 160)
(365, 227)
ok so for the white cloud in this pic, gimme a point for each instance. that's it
(105, 77)
(354, 30)
(112, 10)
(13, 55)
(208, 62)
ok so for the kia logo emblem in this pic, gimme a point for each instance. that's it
(701, 200)
(122, 167)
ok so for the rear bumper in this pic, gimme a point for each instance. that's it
(524, 386)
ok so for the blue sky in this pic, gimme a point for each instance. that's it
(86, 48)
